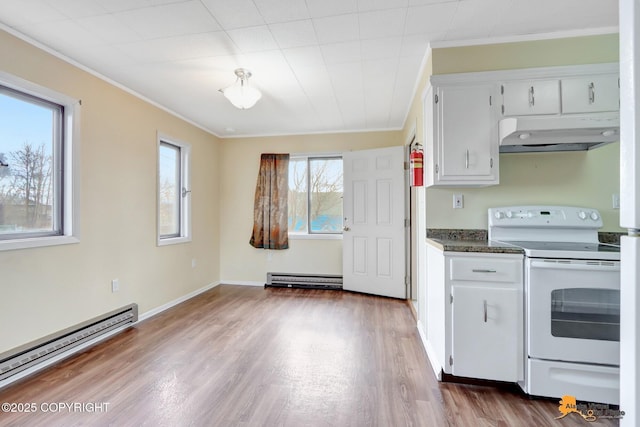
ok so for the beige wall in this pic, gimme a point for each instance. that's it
(240, 262)
(44, 290)
(579, 178)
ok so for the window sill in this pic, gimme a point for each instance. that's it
(173, 241)
(37, 242)
(293, 236)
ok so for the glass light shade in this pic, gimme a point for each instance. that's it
(241, 95)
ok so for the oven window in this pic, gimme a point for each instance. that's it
(592, 314)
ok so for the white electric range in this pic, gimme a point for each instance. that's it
(572, 300)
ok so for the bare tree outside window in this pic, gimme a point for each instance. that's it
(29, 144)
(26, 189)
(315, 195)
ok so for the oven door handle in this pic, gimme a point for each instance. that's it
(575, 266)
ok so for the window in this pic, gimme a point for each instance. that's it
(38, 198)
(174, 195)
(315, 195)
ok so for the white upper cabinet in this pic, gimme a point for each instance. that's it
(523, 98)
(591, 94)
(461, 135)
(462, 113)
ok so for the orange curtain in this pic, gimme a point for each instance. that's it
(270, 211)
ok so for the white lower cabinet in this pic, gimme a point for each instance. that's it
(486, 340)
(475, 314)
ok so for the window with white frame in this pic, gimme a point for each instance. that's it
(38, 198)
(174, 194)
(315, 195)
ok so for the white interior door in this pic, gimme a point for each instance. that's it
(374, 214)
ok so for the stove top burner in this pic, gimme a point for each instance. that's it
(567, 246)
(568, 250)
(563, 232)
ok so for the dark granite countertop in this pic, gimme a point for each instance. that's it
(474, 240)
(457, 240)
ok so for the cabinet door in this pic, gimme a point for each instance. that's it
(531, 97)
(466, 138)
(590, 94)
(487, 332)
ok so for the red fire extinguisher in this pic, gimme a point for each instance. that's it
(415, 161)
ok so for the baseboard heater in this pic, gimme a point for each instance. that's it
(312, 281)
(37, 352)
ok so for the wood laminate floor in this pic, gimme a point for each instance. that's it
(243, 356)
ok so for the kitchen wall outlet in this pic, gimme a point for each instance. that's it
(615, 198)
(458, 201)
(193, 263)
(115, 285)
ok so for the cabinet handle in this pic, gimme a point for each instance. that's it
(532, 97)
(485, 311)
(482, 270)
(466, 160)
(592, 93)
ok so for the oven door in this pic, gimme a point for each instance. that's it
(573, 310)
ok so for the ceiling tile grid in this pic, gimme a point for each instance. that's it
(322, 65)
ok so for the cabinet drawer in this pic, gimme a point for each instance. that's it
(486, 269)
(590, 94)
(531, 97)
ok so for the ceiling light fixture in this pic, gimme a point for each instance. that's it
(240, 94)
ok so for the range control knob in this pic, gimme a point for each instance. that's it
(509, 214)
(499, 215)
(594, 216)
(582, 215)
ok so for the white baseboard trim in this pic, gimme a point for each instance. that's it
(163, 307)
(433, 360)
(241, 283)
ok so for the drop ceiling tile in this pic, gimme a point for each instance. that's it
(180, 48)
(314, 81)
(282, 10)
(318, 9)
(336, 29)
(423, 2)
(379, 75)
(235, 14)
(364, 5)
(382, 23)
(475, 19)
(78, 8)
(18, 13)
(308, 56)
(109, 28)
(170, 20)
(429, 19)
(122, 5)
(63, 36)
(346, 79)
(253, 39)
(338, 53)
(415, 45)
(388, 47)
(294, 34)
(327, 111)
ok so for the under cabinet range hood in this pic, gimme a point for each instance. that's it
(573, 132)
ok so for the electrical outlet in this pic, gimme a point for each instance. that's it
(115, 285)
(193, 263)
(458, 201)
(615, 198)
